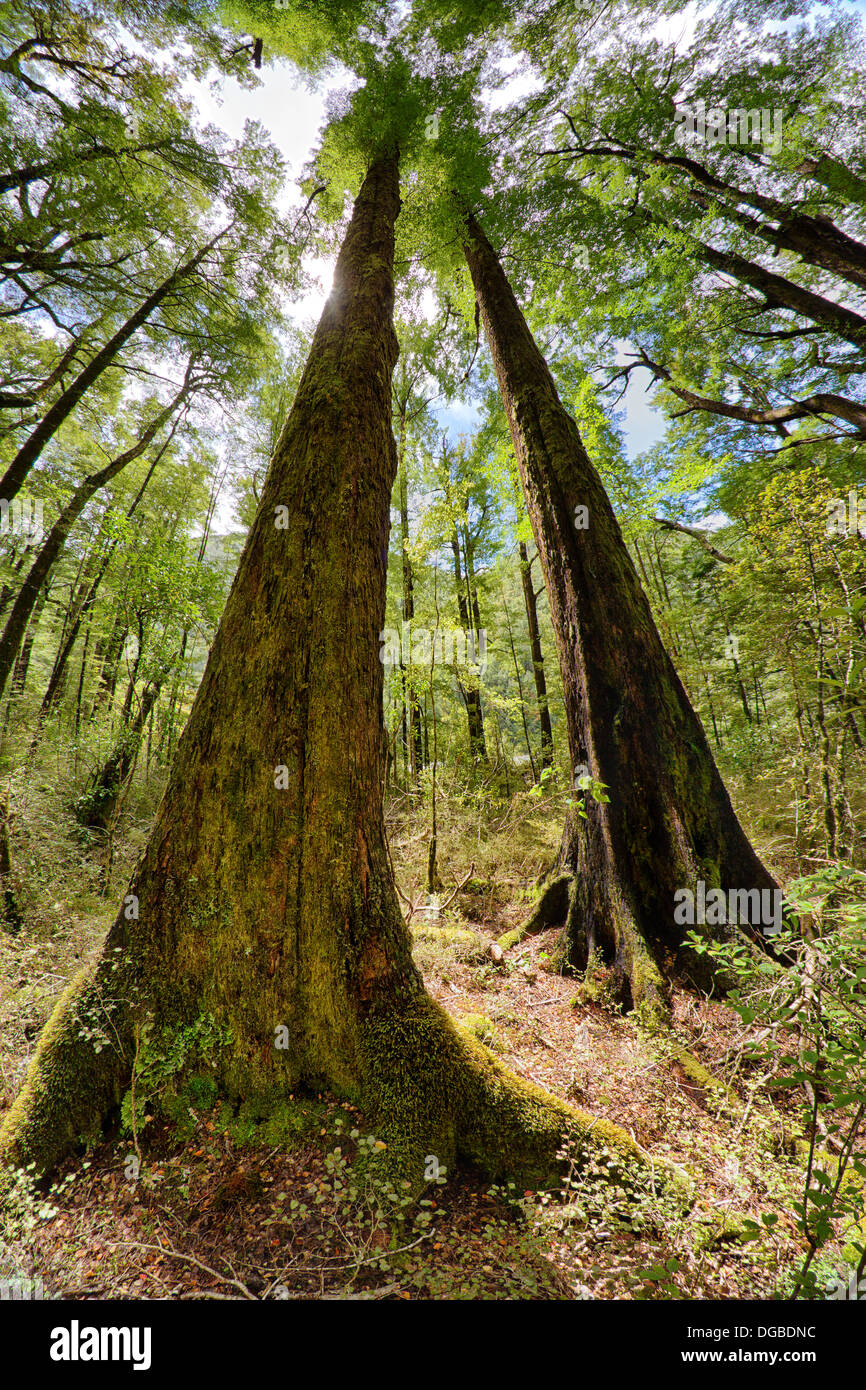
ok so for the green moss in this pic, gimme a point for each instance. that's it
(435, 1090)
(478, 1026)
(270, 1118)
(550, 909)
(511, 938)
(698, 1074)
(719, 1229)
(79, 1072)
(466, 945)
(598, 985)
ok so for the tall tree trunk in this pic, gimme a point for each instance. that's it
(537, 657)
(669, 821)
(265, 896)
(412, 735)
(475, 629)
(471, 695)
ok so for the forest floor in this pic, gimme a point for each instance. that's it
(222, 1205)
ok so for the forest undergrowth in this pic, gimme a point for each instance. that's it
(191, 1198)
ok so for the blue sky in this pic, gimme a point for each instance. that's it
(293, 115)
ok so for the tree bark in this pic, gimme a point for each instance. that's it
(669, 821)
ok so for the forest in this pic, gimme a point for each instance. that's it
(432, 652)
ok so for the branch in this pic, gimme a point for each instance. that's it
(697, 535)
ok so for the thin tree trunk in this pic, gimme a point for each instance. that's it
(519, 689)
(413, 749)
(471, 696)
(22, 665)
(30, 450)
(96, 807)
(12, 920)
(537, 657)
(110, 667)
(28, 594)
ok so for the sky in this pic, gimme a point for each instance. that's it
(292, 114)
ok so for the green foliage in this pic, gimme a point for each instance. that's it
(596, 985)
(270, 1118)
(160, 1062)
(374, 1216)
(810, 1029)
(314, 34)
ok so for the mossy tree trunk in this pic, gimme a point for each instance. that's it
(669, 820)
(265, 896)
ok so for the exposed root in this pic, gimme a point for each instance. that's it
(435, 1096)
(80, 1071)
(550, 910)
(437, 1093)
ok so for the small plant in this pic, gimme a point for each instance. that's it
(159, 1063)
(588, 785)
(546, 783)
(23, 1209)
(375, 1218)
(658, 1281)
(596, 985)
(810, 1036)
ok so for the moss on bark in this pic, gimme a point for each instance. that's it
(431, 1089)
(77, 1077)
